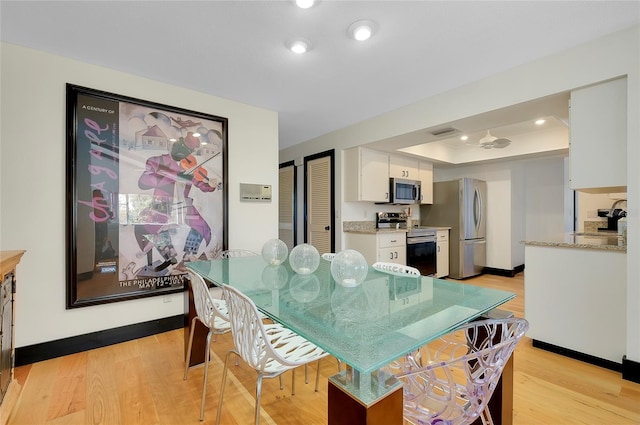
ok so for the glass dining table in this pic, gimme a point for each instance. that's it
(366, 327)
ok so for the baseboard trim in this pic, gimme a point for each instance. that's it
(75, 344)
(504, 272)
(630, 370)
(587, 358)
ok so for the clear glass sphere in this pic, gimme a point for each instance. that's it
(274, 252)
(275, 277)
(349, 268)
(304, 259)
(304, 288)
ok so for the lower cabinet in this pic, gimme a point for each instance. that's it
(387, 246)
(9, 388)
(442, 253)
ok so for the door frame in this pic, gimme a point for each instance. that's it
(332, 165)
(295, 198)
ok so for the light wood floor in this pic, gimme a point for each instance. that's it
(140, 382)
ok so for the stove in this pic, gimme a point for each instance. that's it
(390, 220)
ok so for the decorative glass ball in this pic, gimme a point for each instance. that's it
(349, 268)
(274, 252)
(275, 277)
(304, 288)
(304, 259)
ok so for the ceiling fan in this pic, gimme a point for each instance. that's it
(490, 142)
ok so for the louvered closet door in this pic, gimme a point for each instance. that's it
(286, 206)
(319, 204)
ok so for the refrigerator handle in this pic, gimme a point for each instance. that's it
(477, 209)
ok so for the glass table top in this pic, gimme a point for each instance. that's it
(366, 326)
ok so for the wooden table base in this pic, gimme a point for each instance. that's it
(345, 410)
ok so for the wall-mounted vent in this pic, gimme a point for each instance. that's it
(444, 131)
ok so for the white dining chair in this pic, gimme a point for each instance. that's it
(452, 379)
(233, 253)
(329, 256)
(396, 268)
(212, 313)
(270, 349)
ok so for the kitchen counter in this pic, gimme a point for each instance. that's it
(608, 241)
(367, 227)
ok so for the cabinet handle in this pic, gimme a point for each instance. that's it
(391, 256)
(396, 252)
(327, 228)
(393, 240)
(386, 195)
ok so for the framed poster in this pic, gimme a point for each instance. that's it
(146, 193)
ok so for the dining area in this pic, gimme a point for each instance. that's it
(394, 347)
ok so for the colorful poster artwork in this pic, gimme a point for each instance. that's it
(149, 195)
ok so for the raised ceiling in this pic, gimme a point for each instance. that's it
(237, 49)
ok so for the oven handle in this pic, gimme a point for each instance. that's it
(421, 239)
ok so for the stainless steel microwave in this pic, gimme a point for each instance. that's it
(404, 191)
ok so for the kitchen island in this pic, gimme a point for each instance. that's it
(575, 296)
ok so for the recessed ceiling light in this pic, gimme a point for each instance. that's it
(540, 122)
(196, 134)
(305, 4)
(463, 138)
(299, 46)
(361, 30)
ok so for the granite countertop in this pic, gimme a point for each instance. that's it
(606, 241)
(370, 227)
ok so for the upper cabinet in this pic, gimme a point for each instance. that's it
(598, 137)
(366, 175)
(426, 177)
(403, 167)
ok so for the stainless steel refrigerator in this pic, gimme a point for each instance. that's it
(461, 205)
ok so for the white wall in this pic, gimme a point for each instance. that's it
(33, 185)
(608, 57)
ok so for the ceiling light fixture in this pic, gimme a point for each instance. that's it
(361, 30)
(305, 4)
(464, 138)
(540, 121)
(299, 46)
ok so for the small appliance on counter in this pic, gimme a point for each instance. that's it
(612, 215)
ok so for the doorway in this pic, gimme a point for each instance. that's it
(287, 204)
(319, 208)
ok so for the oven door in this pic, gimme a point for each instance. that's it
(421, 254)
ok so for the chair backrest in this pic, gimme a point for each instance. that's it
(207, 307)
(329, 256)
(249, 335)
(396, 268)
(255, 343)
(453, 378)
(232, 253)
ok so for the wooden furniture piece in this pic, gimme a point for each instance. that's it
(366, 327)
(9, 388)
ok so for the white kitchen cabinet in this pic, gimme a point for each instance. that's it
(404, 167)
(366, 175)
(426, 177)
(442, 253)
(387, 246)
(598, 137)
